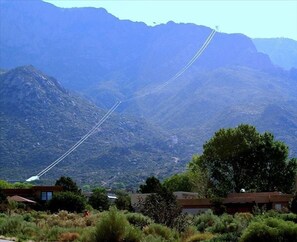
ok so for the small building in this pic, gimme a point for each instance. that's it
(234, 202)
(138, 198)
(35, 193)
(245, 202)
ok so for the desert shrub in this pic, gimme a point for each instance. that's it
(17, 227)
(159, 230)
(182, 222)
(138, 219)
(245, 218)
(200, 237)
(259, 210)
(152, 238)
(67, 201)
(288, 217)
(50, 233)
(28, 217)
(133, 234)
(68, 220)
(227, 237)
(11, 225)
(224, 224)
(3, 215)
(86, 235)
(205, 220)
(276, 214)
(111, 227)
(189, 231)
(270, 229)
(68, 236)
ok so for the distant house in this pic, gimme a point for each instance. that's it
(35, 193)
(138, 198)
(234, 202)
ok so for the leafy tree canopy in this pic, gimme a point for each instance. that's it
(99, 199)
(178, 182)
(123, 201)
(162, 207)
(152, 184)
(7, 185)
(240, 157)
(68, 201)
(68, 184)
(198, 176)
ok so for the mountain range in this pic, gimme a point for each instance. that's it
(103, 59)
(282, 51)
(40, 121)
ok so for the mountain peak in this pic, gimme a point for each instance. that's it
(29, 75)
(25, 87)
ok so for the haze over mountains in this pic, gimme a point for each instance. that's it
(106, 59)
(282, 51)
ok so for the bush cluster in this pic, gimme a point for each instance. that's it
(270, 229)
(115, 225)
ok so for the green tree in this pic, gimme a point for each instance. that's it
(68, 201)
(152, 184)
(198, 176)
(293, 204)
(241, 157)
(21, 185)
(162, 207)
(99, 199)
(178, 182)
(5, 184)
(68, 184)
(123, 201)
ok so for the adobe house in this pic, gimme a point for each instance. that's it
(234, 202)
(35, 193)
(240, 202)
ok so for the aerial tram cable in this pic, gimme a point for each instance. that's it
(116, 105)
(74, 147)
(77, 144)
(178, 74)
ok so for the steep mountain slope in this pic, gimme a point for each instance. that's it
(198, 106)
(282, 51)
(89, 50)
(40, 120)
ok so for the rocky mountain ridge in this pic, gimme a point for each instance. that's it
(40, 121)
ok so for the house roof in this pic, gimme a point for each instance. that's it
(20, 199)
(240, 198)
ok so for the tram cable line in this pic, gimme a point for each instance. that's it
(77, 144)
(94, 129)
(179, 73)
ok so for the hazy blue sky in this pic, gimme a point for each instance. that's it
(266, 18)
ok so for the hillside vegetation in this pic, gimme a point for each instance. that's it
(40, 121)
